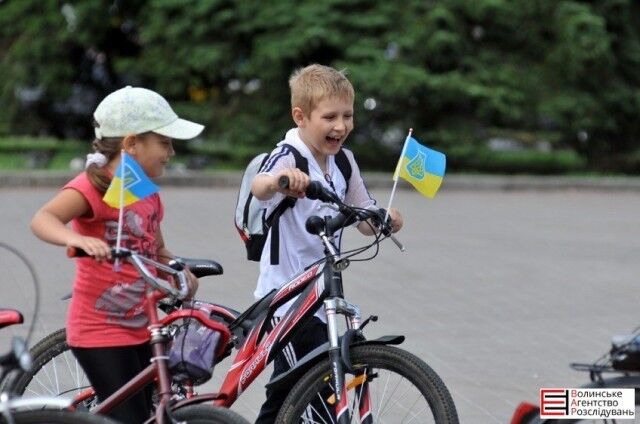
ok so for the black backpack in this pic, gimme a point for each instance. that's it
(251, 221)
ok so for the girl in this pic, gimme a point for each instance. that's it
(106, 323)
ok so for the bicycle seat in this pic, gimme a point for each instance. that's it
(203, 267)
(9, 317)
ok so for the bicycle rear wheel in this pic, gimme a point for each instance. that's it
(403, 389)
(55, 417)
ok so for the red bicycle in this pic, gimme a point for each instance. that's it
(166, 408)
(348, 379)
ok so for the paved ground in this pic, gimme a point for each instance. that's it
(498, 290)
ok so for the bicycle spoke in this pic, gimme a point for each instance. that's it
(382, 397)
(47, 388)
(326, 409)
(415, 416)
(308, 415)
(391, 398)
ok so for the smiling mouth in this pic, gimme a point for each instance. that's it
(333, 140)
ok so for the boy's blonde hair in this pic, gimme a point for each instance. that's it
(312, 84)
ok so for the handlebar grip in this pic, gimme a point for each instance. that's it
(283, 182)
(76, 252)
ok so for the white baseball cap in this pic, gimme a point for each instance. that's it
(136, 110)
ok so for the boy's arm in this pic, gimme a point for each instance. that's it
(50, 224)
(359, 195)
(265, 185)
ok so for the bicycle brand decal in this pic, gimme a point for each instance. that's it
(587, 403)
(249, 370)
(295, 283)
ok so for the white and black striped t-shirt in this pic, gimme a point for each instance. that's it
(297, 248)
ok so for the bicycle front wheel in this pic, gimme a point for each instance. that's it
(402, 389)
(55, 417)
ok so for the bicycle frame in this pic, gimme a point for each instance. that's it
(260, 347)
(255, 353)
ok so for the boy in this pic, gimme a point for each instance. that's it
(322, 108)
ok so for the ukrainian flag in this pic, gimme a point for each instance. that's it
(422, 167)
(129, 183)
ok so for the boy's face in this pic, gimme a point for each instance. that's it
(327, 127)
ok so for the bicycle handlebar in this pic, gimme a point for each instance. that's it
(347, 214)
(175, 269)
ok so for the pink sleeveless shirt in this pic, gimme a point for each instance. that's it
(107, 306)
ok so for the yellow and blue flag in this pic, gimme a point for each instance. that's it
(421, 166)
(129, 183)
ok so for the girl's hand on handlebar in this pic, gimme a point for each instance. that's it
(298, 182)
(192, 282)
(94, 247)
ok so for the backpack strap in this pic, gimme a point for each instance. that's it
(273, 221)
(344, 166)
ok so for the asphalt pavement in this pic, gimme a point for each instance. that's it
(500, 288)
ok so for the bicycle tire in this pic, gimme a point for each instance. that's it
(55, 417)
(207, 414)
(387, 363)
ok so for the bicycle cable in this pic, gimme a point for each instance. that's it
(36, 285)
(378, 238)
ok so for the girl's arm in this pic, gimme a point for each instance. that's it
(50, 224)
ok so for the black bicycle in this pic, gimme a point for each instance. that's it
(618, 368)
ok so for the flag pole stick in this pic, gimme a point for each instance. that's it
(116, 264)
(395, 184)
(396, 172)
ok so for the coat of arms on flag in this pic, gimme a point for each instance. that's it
(421, 166)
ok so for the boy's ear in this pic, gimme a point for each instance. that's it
(298, 116)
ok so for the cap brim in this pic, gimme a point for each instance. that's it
(180, 129)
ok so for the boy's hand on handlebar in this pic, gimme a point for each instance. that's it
(393, 224)
(94, 247)
(298, 182)
(396, 220)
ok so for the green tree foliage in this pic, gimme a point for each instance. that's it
(459, 72)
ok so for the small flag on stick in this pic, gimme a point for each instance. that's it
(129, 184)
(421, 166)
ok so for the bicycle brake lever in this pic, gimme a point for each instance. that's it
(373, 318)
(328, 205)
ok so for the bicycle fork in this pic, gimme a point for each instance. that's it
(333, 307)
